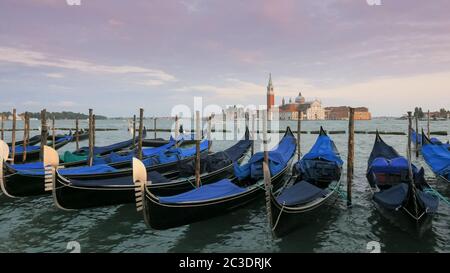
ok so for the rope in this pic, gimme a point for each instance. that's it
(437, 194)
(278, 218)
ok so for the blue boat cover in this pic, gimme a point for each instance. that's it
(27, 166)
(97, 169)
(324, 149)
(438, 158)
(147, 152)
(190, 151)
(433, 140)
(20, 149)
(220, 189)
(393, 197)
(395, 165)
(153, 176)
(106, 149)
(300, 193)
(279, 156)
(429, 202)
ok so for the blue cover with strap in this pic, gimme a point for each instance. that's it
(97, 169)
(393, 197)
(20, 149)
(395, 165)
(106, 149)
(300, 193)
(279, 156)
(324, 149)
(190, 151)
(438, 158)
(156, 150)
(28, 166)
(220, 189)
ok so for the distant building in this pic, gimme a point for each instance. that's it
(341, 113)
(311, 110)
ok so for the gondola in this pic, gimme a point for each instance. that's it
(79, 194)
(32, 141)
(399, 197)
(82, 135)
(432, 140)
(314, 182)
(215, 198)
(34, 151)
(437, 157)
(28, 179)
(156, 142)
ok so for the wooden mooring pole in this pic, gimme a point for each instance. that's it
(134, 131)
(141, 132)
(26, 135)
(93, 130)
(299, 133)
(44, 133)
(13, 136)
(77, 137)
(176, 130)
(410, 171)
(53, 132)
(417, 137)
(351, 154)
(91, 139)
(253, 137)
(267, 175)
(428, 125)
(3, 127)
(154, 125)
(197, 148)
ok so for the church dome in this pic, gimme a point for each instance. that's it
(300, 99)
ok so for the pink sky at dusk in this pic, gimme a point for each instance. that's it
(115, 56)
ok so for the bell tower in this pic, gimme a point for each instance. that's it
(270, 94)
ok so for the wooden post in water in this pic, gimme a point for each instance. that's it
(267, 175)
(44, 133)
(428, 125)
(3, 127)
(253, 134)
(93, 130)
(208, 133)
(224, 122)
(26, 134)
(141, 128)
(91, 139)
(154, 125)
(299, 133)
(351, 154)
(176, 130)
(77, 137)
(417, 137)
(53, 132)
(134, 131)
(410, 171)
(197, 148)
(13, 136)
(235, 127)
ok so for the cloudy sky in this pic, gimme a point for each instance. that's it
(116, 56)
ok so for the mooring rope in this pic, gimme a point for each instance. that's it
(278, 217)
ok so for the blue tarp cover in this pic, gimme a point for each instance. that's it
(279, 156)
(438, 158)
(430, 202)
(222, 188)
(324, 148)
(414, 135)
(393, 197)
(28, 166)
(300, 193)
(20, 149)
(106, 149)
(73, 171)
(392, 166)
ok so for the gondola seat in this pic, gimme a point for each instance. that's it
(393, 197)
(300, 193)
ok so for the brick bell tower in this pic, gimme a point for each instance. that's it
(270, 95)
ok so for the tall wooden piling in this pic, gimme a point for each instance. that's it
(299, 133)
(224, 122)
(26, 135)
(208, 132)
(13, 136)
(134, 131)
(44, 133)
(3, 127)
(410, 171)
(197, 148)
(176, 130)
(351, 154)
(428, 125)
(91, 139)
(417, 137)
(253, 135)
(267, 175)
(141, 132)
(53, 132)
(93, 129)
(77, 137)
(154, 125)
(235, 133)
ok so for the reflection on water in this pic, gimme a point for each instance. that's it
(34, 224)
